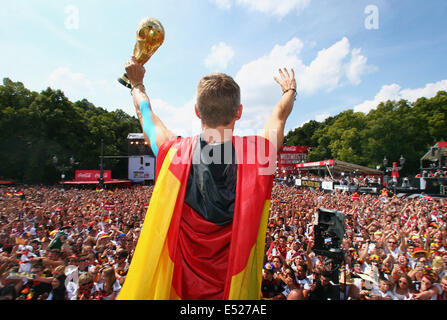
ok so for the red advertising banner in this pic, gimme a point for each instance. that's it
(316, 164)
(92, 175)
(290, 156)
(109, 206)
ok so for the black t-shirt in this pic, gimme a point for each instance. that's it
(211, 188)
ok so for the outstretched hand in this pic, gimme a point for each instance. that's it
(287, 81)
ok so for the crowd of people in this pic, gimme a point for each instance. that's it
(77, 244)
(73, 244)
(433, 173)
(395, 248)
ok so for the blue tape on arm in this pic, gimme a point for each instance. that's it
(148, 125)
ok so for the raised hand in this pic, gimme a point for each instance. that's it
(287, 81)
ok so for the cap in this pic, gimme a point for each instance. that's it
(269, 267)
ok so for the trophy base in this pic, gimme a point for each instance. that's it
(125, 81)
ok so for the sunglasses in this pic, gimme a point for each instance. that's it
(403, 282)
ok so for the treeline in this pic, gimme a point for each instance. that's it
(35, 127)
(393, 129)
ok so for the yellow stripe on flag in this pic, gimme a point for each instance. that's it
(150, 272)
(246, 285)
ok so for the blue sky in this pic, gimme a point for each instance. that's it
(341, 62)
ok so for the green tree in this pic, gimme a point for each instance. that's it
(36, 126)
(393, 129)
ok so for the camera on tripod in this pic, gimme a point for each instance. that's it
(329, 229)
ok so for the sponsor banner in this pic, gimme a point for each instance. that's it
(310, 183)
(294, 149)
(341, 188)
(290, 156)
(368, 190)
(327, 185)
(141, 168)
(316, 164)
(92, 175)
(345, 188)
(109, 206)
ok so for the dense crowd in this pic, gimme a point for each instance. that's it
(77, 244)
(70, 244)
(396, 248)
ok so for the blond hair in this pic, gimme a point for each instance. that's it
(218, 99)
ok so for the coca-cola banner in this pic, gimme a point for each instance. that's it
(92, 175)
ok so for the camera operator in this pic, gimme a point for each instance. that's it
(323, 289)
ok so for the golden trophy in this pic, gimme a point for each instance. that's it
(150, 36)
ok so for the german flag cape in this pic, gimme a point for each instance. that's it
(176, 244)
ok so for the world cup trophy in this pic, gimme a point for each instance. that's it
(150, 36)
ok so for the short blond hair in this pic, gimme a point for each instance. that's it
(218, 99)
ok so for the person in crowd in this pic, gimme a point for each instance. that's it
(443, 294)
(107, 287)
(58, 289)
(289, 283)
(304, 283)
(271, 287)
(429, 289)
(323, 289)
(85, 289)
(383, 293)
(403, 288)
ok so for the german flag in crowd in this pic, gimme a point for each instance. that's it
(181, 255)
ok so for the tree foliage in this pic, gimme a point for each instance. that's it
(393, 129)
(36, 126)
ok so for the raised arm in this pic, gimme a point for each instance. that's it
(274, 127)
(154, 130)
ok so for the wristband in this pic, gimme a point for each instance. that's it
(285, 91)
(136, 85)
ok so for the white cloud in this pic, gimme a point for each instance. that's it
(333, 67)
(357, 67)
(75, 85)
(108, 93)
(275, 7)
(387, 92)
(327, 70)
(180, 120)
(223, 4)
(219, 57)
(429, 91)
(395, 92)
(321, 117)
